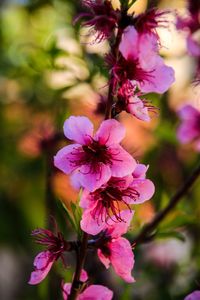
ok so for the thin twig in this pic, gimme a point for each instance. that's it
(80, 260)
(149, 228)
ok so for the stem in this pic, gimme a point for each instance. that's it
(80, 260)
(144, 235)
(114, 52)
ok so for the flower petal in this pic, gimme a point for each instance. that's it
(110, 132)
(145, 188)
(91, 225)
(115, 228)
(91, 179)
(129, 43)
(66, 289)
(137, 108)
(148, 51)
(96, 292)
(193, 46)
(123, 163)
(105, 260)
(193, 296)
(43, 263)
(78, 129)
(188, 112)
(140, 171)
(159, 80)
(65, 159)
(122, 258)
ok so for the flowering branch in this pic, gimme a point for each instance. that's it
(146, 232)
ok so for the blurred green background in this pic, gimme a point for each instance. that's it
(50, 69)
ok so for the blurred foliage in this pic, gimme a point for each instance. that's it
(49, 70)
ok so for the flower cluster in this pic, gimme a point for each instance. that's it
(112, 181)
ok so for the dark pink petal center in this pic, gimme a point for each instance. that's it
(108, 201)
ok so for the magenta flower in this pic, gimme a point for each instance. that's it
(106, 202)
(189, 130)
(140, 63)
(101, 18)
(43, 262)
(116, 250)
(94, 159)
(193, 296)
(93, 292)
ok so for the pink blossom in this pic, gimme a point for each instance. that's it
(43, 262)
(141, 64)
(130, 101)
(94, 159)
(193, 296)
(101, 18)
(116, 250)
(189, 130)
(105, 203)
(93, 292)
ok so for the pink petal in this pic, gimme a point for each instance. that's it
(129, 43)
(145, 188)
(91, 180)
(136, 108)
(121, 183)
(159, 80)
(122, 258)
(188, 112)
(105, 260)
(115, 228)
(193, 296)
(43, 263)
(91, 225)
(123, 163)
(65, 158)
(84, 275)
(96, 292)
(86, 200)
(110, 132)
(140, 171)
(186, 132)
(148, 49)
(78, 129)
(193, 46)
(66, 290)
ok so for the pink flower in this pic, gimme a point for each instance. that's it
(94, 159)
(189, 130)
(116, 250)
(193, 296)
(140, 63)
(93, 292)
(101, 17)
(43, 262)
(105, 203)
(128, 100)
